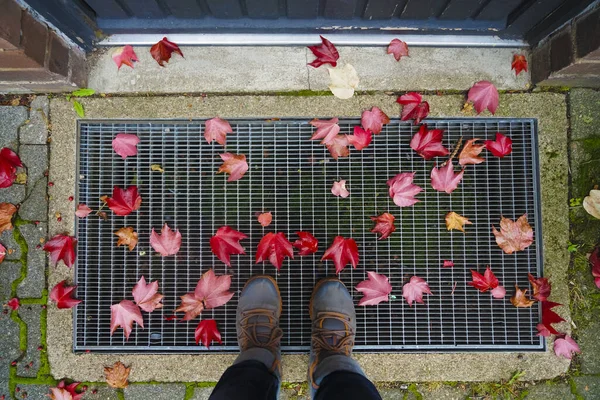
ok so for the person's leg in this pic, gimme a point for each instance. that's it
(256, 372)
(332, 372)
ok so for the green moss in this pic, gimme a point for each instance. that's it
(412, 388)
(574, 390)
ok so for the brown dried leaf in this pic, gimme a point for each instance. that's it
(117, 375)
(7, 211)
(520, 298)
(127, 237)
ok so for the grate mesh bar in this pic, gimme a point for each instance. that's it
(291, 176)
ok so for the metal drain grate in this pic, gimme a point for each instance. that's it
(291, 176)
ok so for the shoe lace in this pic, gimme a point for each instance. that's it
(251, 336)
(324, 341)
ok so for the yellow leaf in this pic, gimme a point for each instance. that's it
(157, 167)
(456, 221)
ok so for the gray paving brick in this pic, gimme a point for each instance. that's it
(546, 391)
(29, 392)
(101, 393)
(11, 118)
(36, 131)
(34, 283)
(588, 387)
(35, 208)
(9, 271)
(30, 364)
(9, 348)
(8, 240)
(165, 391)
(13, 194)
(202, 393)
(35, 158)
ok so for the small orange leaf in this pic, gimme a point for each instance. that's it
(116, 376)
(127, 237)
(7, 210)
(520, 298)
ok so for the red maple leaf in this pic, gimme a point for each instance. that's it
(595, 262)
(342, 251)
(66, 392)
(413, 107)
(501, 147)
(402, 190)
(325, 52)
(207, 332)
(326, 130)
(519, 63)
(274, 247)
(124, 202)
(233, 164)
(162, 51)
(265, 219)
(63, 295)
(168, 242)
(9, 161)
(470, 153)
(211, 291)
(374, 120)
(398, 48)
(82, 211)
(444, 179)
(338, 147)
(514, 235)
(125, 144)
(384, 224)
(484, 95)
(147, 296)
(226, 242)
(550, 317)
(307, 244)
(360, 139)
(2, 252)
(414, 289)
(541, 287)
(484, 282)
(62, 247)
(428, 143)
(339, 189)
(375, 289)
(124, 55)
(124, 314)
(14, 303)
(565, 347)
(217, 129)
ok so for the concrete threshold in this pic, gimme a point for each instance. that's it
(548, 108)
(268, 69)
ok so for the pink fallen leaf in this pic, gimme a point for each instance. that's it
(444, 179)
(233, 164)
(565, 347)
(360, 139)
(306, 244)
(448, 264)
(595, 262)
(398, 48)
(384, 225)
(428, 143)
(9, 161)
(274, 247)
(470, 153)
(402, 190)
(339, 189)
(514, 235)
(162, 50)
(375, 289)
(62, 247)
(498, 292)
(124, 55)
(342, 251)
(63, 295)
(123, 315)
(226, 242)
(124, 201)
(374, 120)
(147, 296)
(338, 147)
(484, 95)
(327, 130)
(217, 129)
(501, 147)
(125, 144)
(414, 290)
(413, 107)
(543, 330)
(207, 332)
(167, 243)
(325, 52)
(65, 392)
(265, 219)
(82, 211)
(2, 252)
(211, 291)
(14, 303)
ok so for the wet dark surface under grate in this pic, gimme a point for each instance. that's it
(292, 176)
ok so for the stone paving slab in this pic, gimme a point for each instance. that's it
(12, 118)
(549, 108)
(8, 240)
(35, 281)
(167, 391)
(9, 347)
(30, 363)
(550, 391)
(36, 130)
(14, 194)
(588, 387)
(31, 392)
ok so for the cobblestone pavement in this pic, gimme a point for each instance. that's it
(26, 373)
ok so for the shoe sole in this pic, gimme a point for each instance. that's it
(274, 284)
(317, 286)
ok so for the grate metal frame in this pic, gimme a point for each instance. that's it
(441, 325)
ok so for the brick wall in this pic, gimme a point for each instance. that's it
(33, 58)
(570, 56)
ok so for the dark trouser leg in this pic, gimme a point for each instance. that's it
(345, 385)
(248, 380)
